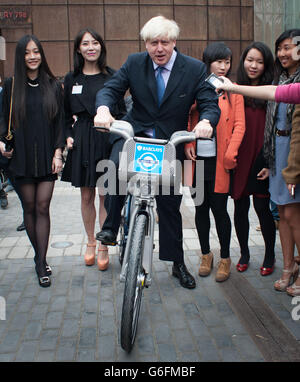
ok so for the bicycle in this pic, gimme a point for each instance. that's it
(145, 163)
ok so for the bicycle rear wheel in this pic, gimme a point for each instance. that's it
(134, 286)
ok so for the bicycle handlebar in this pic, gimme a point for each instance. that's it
(125, 130)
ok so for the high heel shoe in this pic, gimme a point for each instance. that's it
(48, 270)
(102, 259)
(264, 271)
(267, 271)
(282, 284)
(245, 263)
(293, 290)
(89, 259)
(44, 281)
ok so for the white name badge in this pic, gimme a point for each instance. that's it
(77, 89)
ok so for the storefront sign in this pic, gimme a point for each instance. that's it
(13, 16)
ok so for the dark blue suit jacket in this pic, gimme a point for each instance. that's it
(185, 85)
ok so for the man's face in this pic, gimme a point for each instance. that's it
(160, 49)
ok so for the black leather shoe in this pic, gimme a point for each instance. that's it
(185, 278)
(107, 237)
(21, 227)
(44, 281)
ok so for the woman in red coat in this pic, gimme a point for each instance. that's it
(219, 158)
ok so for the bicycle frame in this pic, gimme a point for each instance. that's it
(143, 203)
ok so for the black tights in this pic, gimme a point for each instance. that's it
(268, 229)
(35, 202)
(218, 204)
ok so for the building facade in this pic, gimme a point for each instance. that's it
(56, 23)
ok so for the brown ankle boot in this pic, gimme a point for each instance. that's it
(223, 271)
(206, 265)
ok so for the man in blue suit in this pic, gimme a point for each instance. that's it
(183, 79)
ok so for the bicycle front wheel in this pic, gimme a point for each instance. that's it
(134, 286)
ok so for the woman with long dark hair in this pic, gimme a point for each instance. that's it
(87, 146)
(219, 158)
(36, 159)
(256, 68)
(277, 148)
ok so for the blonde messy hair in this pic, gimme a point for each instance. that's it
(160, 26)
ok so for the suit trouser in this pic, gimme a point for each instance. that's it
(168, 208)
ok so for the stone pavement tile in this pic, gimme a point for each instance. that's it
(167, 353)
(148, 358)
(222, 337)
(184, 341)
(157, 313)
(89, 319)
(230, 354)
(19, 321)
(106, 348)
(10, 341)
(27, 351)
(57, 303)
(4, 251)
(162, 332)
(233, 325)
(144, 343)
(198, 327)
(66, 350)
(87, 337)
(247, 348)
(177, 321)
(207, 349)
(18, 252)
(203, 301)
(9, 241)
(211, 316)
(86, 355)
(191, 310)
(7, 357)
(45, 356)
(23, 242)
(106, 325)
(48, 339)
(72, 310)
(190, 357)
(33, 330)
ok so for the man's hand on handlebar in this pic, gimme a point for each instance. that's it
(203, 129)
(103, 118)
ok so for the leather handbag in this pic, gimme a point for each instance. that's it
(9, 138)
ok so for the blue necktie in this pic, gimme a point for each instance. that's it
(160, 84)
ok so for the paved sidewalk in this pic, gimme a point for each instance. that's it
(77, 318)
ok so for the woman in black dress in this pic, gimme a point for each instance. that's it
(36, 159)
(87, 146)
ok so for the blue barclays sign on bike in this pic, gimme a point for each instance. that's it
(148, 158)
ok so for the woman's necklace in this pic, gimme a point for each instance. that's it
(32, 85)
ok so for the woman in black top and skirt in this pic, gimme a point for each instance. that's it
(36, 157)
(87, 146)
